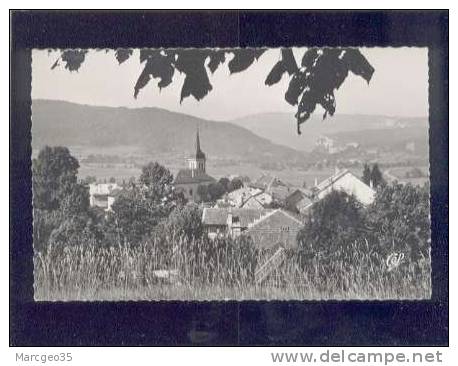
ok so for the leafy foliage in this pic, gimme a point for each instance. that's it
(141, 207)
(287, 64)
(76, 230)
(321, 71)
(214, 191)
(54, 172)
(61, 204)
(366, 178)
(373, 175)
(399, 218)
(244, 58)
(334, 223)
(72, 59)
(185, 222)
(376, 176)
(122, 54)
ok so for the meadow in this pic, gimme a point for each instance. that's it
(221, 271)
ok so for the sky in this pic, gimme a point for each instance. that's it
(399, 86)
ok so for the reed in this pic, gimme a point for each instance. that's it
(220, 270)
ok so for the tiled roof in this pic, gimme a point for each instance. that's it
(218, 216)
(279, 192)
(331, 180)
(184, 176)
(241, 195)
(273, 214)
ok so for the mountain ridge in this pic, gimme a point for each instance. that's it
(156, 130)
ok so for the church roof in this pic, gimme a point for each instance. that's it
(184, 176)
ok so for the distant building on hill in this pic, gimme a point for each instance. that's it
(103, 195)
(189, 179)
(267, 227)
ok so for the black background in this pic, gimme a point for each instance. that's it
(224, 323)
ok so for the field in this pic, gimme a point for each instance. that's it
(124, 273)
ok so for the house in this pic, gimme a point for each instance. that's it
(267, 182)
(229, 221)
(103, 195)
(246, 197)
(277, 227)
(238, 197)
(260, 200)
(274, 186)
(267, 227)
(188, 180)
(346, 181)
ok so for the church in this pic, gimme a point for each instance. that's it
(187, 180)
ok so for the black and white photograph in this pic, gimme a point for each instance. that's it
(201, 174)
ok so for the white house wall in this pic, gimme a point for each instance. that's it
(353, 186)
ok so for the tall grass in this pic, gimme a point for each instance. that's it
(220, 270)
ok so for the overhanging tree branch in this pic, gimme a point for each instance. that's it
(321, 72)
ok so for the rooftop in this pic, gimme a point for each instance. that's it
(184, 176)
(218, 216)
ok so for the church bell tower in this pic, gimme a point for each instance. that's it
(197, 162)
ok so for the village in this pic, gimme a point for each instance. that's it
(268, 209)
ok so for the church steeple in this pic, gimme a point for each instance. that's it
(199, 152)
(197, 141)
(197, 163)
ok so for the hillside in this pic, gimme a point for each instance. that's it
(393, 139)
(151, 129)
(280, 128)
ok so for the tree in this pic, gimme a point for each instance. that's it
(225, 183)
(54, 172)
(158, 187)
(235, 183)
(139, 209)
(44, 222)
(132, 217)
(202, 193)
(334, 223)
(61, 205)
(376, 176)
(312, 82)
(76, 230)
(400, 219)
(183, 222)
(75, 200)
(90, 179)
(215, 191)
(366, 178)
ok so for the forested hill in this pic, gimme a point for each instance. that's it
(152, 129)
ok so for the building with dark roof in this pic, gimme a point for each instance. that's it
(189, 179)
(267, 227)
